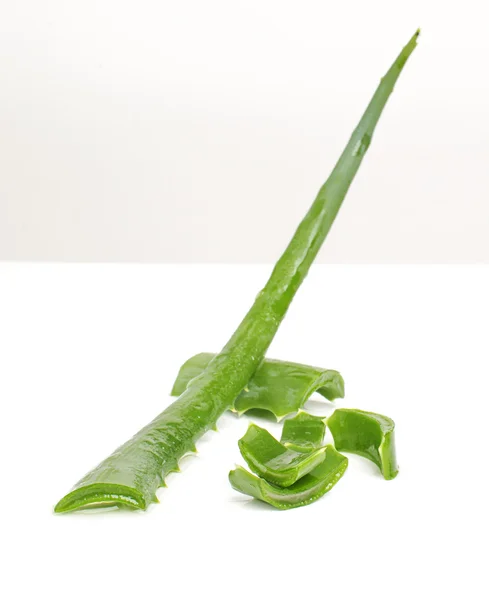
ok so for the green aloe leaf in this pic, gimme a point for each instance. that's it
(277, 386)
(368, 434)
(304, 491)
(131, 475)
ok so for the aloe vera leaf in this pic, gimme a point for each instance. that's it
(277, 386)
(368, 434)
(304, 432)
(273, 461)
(131, 475)
(306, 490)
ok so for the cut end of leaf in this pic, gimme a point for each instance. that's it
(99, 496)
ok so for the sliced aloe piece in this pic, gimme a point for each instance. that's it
(368, 434)
(304, 491)
(304, 432)
(273, 461)
(277, 386)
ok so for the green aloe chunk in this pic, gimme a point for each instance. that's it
(304, 432)
(368, 434)
(304, 491)
(277, 386)
(273, 461)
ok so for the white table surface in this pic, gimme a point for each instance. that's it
(88, 354)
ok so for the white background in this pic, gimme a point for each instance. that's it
(201, 130)
(88, 355)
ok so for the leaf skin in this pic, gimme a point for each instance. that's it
(304, 432)
(306, 490)
(367, 434)
(280, 387)
(273, 461)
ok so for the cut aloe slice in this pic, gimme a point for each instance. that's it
(368, 434)
(304, 491)
(273, 461)
(304, 432)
